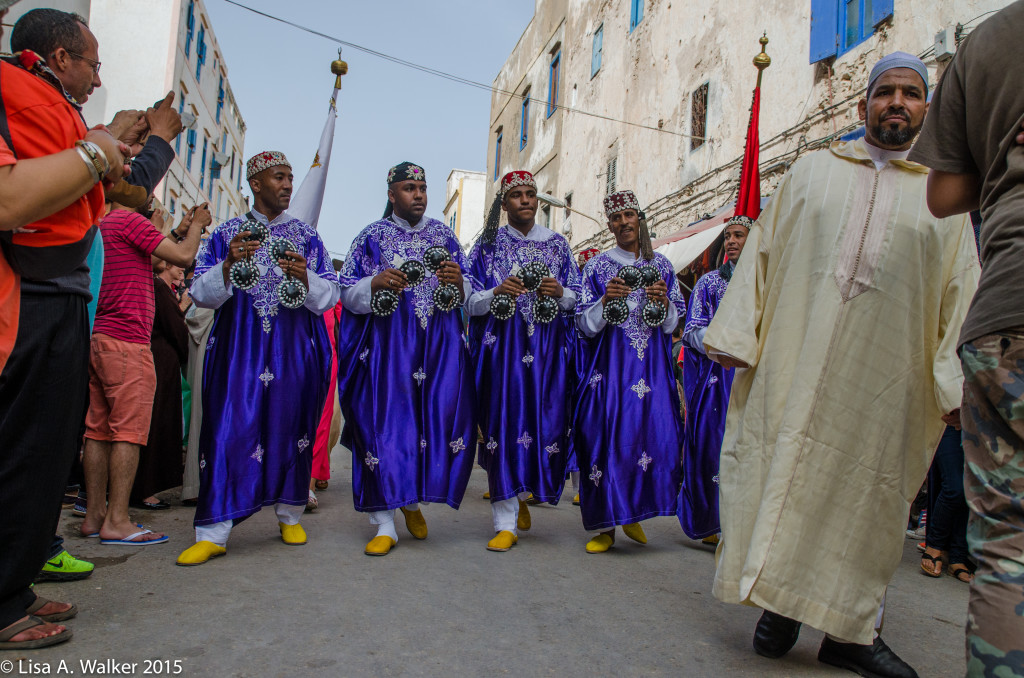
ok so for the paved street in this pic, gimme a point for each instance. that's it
(446, 606)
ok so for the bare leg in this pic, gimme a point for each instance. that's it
(95, 459)
(124, 459)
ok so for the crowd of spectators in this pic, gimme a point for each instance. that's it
(92, 316)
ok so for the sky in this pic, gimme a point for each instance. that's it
(388, 113)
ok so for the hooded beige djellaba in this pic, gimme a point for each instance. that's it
(847, 304)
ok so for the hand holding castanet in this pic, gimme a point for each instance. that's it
(450, 273)
(295, 266)
(511, 286)
(658, 292)
(389, 279)
(550, 287)
(616, 289)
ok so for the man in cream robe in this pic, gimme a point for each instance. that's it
(846, 309)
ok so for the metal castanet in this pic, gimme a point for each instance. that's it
(503, 306)
(446, 297)
(257, 231)
(545, 309)
(384, 302)
(653, 313)
(290, 292)
(435, 256)
(649, 275)
(244, 275)
(415, 272)
(616, 311)
(631, 276)
(533, 274)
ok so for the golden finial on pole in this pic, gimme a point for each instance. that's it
(762, 60)
(339, 68)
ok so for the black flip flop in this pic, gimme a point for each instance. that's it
(932, 559)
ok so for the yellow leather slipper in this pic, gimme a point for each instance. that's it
(635, 532)
(503, 541)
(524, 522)
(199, 553)
(415, 523)
(379, 545)
(293, 535)
(601, 542)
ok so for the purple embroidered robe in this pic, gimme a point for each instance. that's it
(405, 381)
(265, 381)
(627, 429)
(524, 372)
(706, 385)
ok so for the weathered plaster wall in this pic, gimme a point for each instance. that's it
(528, 67)
(647, 77)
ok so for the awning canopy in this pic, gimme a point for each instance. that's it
(686, 245)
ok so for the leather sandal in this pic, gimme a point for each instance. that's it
(937, 562)
(960, 572)
(14, 629)
(41, 602)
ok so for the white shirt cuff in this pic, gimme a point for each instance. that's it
(568, 300)
(479, 303)
(357, 298)
(592, 321)
(210, 289)
(694, 339)
(322, 294)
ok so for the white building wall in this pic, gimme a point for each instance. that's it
(464, 204)
(528, 68)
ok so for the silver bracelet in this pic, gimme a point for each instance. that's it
(94, 150)
(88, 163)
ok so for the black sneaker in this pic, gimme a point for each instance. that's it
(775, 635)
(871, 661)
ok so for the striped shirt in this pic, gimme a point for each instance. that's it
(126, 305)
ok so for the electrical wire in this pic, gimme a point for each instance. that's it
(452, 77)
(991, 11)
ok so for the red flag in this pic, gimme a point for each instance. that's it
(748, 204)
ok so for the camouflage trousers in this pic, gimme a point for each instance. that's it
(993, 438)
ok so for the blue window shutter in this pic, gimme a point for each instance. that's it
(595, 57)
(824, 29)
(880, 11)
(497, 157)
(636, 13)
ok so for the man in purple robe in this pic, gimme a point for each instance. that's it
(521, 331)
(267, 367)
(706, 385)
(405, 379)
(627, 426)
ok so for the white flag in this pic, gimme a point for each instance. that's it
(309, 197)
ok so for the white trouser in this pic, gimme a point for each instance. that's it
(218, 532)
(574, 476)
(385, 521)
(506, 513)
